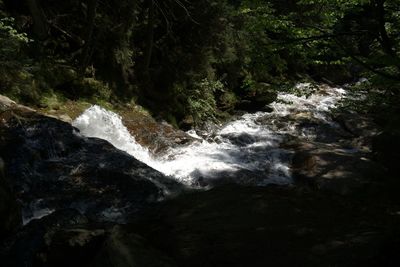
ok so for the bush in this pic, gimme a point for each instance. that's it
(15, 80)
(201, 101)
(11, 43)
(227, 101)
(96, 89)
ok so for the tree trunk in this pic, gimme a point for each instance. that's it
(91, 15)
(384, 40)
(150, 38)
(39, 19)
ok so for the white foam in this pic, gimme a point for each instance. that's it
(244, 144)
(37, 214)
(101, 123)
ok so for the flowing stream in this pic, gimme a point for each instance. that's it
(247, 150)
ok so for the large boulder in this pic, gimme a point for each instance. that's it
(10, 212)
(257, 98)
(225, 226)
(126, 248)
(156, 136)
(334, 168)
(271, 226)
(68, 238)
(53, 167)
(386, 146)
(335, 156)
(26, 247)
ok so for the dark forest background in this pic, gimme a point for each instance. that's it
(191, 61)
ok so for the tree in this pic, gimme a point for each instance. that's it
(88, 35)
(39, 19)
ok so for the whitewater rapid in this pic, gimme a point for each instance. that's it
(247, 150)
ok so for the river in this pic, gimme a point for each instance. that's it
(247, 150)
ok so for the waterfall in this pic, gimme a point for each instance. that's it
(247, 150)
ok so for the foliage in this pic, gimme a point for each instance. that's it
(9, 31)
(11, 40)
(373, 99)
(195, 58)
(201, 102)
(15, 78)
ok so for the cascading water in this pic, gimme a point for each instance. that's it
(247, 150)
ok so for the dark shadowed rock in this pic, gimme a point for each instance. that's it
(356, 124)
(273, 226)
(70, 247)
(23, 249)
(10, 212)
(85, 189)
(331, 167)
(257, 98)
(51, 164)
(67, 238)
(126, 248)
(225, 226)
(337, 157)
(386, 149)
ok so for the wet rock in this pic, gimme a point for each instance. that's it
(331, 167)
(220, 178)
(304, 162)
(225, 226)
(70, 247)
(257, 98)
(156, 136)
(187, 123)
(274, 226)
(242, 139)
(356, 124)
(386, 149)
(49, 161)
(124, 248)
(10, 212)
(68, 238)
(24, 248)
(254, 105)
(362, 129)
(333, 155)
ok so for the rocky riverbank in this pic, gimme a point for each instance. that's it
(50, 167)
(68, 200)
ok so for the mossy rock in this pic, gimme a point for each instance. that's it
(257, 97)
